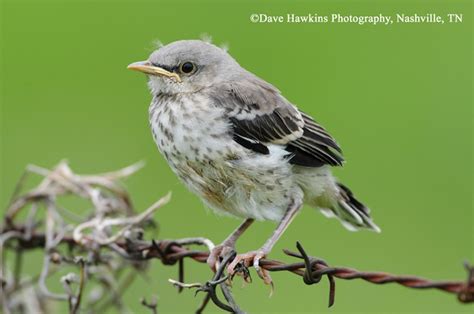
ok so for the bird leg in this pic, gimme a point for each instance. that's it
(253, 258)
(227, 244)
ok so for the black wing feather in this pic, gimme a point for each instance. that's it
(260, 116)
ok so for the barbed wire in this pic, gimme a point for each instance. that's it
(112, 227)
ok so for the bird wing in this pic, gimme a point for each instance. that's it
(260, 116)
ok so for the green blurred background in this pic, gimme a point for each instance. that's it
(397, 98)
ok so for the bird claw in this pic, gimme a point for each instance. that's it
(242, 271)
(216, 255)
(243, 261)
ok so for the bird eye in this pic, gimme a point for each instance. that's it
(187, 67)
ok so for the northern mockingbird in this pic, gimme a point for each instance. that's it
(242, 147)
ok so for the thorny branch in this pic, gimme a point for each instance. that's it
(107, 241)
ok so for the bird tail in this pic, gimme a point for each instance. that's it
(352, 213)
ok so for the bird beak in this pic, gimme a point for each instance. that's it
(148, 68)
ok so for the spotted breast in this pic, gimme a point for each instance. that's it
(195, 137)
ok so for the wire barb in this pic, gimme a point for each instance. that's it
(312, 275)
(466, 293)
(219, 279)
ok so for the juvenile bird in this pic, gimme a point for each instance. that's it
(242, 147)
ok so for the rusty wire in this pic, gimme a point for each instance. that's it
(113, 208)
(311, 269)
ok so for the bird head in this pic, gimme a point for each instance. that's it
(186, 66)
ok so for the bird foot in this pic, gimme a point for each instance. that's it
(217, 253)
(248, 259)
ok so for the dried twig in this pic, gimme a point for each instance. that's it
(82, 280)
(152, 305)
